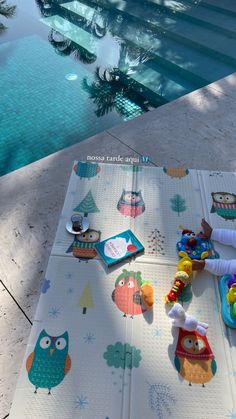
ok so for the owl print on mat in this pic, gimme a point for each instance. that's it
(49, 363)
(194, 359)
(131, 203)
(83, 246)
(126, 294)
(224, 204)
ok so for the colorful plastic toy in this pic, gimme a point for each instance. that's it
(181, 281)
(185, 264)
(181, 319)
(195, 246)
(227, 286)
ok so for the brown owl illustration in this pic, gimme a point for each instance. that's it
(224, 204)
(83, 246)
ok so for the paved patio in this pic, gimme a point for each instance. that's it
(195, 131)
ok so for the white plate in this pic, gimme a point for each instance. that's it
(85, 225)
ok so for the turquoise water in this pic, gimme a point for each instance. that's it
(69, 70)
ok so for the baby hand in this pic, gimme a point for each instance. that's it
(198, 265)
(206, 228)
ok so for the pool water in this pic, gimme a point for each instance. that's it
(69, 70)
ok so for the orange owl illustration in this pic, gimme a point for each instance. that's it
(194, 359)
(176, 172)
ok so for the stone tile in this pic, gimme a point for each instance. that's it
(15, 330)
(31, 203)
(227, 85)
(196, 131)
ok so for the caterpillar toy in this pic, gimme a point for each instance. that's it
(181, 280)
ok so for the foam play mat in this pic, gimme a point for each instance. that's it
(94, 353)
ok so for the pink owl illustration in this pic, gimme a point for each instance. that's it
(126, 294)
(131, 203)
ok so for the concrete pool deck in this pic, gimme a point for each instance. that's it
(196, 131)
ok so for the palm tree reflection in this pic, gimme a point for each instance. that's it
(113, 89)
(6, 11)
(65, 46)
(47, 8)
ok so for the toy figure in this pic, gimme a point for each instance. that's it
(227, 287)
(181, 280)
(193, 246)
(185, 264)
(187, 322)
(231, 295)
(147, 295)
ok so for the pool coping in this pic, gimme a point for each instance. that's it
(32, 196)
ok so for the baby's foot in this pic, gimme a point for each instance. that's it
(206, 228)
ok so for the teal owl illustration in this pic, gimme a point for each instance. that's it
(85, 169)
(48, 364)
(224, 204)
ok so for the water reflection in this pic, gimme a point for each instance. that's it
(113, 87)
(110, 90)
(64, 46)
(6, 11)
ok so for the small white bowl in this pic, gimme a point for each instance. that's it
(85, 226)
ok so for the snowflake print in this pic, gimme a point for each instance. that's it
(199, 311)
(157, 333)
(54, 312)
(81, 402)
(231, 414)
(70, 291)
(89, 338)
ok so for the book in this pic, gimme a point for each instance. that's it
(119, 247)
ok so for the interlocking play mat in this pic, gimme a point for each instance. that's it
(91, 356)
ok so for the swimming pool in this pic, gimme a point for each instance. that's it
(70, 69)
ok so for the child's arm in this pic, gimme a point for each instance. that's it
(216, 266)
(220, 266)
(224, 236)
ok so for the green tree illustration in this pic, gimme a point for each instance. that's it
(178, 204)
(86, 299)
(87, 205)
